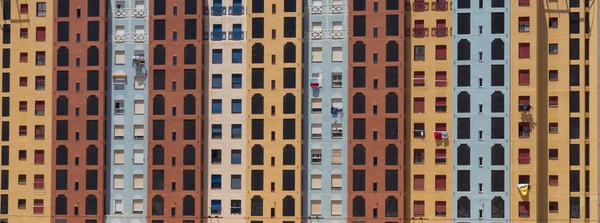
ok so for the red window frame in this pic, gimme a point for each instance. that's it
(440, 182)
(440, 126)
(419, 105)
(524, 156)
(38, 157)
(524, 77)
(440, 52)
(40, 58)
(440, 156)
(524, 50)
(39, 132)
(40, 107)
(40, 34)
(524, 100)
(419, 182)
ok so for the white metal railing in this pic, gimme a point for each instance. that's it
(120, 13)
(138, 37)
(317, 34)
(337, 34)
(120, 37)
(139, 12)
(335, 9)
(317, 9)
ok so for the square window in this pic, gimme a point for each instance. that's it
(553, 48)
(553, 75)
(553, 154)
(419, 156)
(236, 156)
(553, 180)
(216, 131)
(236, 55)
(23, 130)
(419, 78)
(524, 24)
(440, 52)
(236, 81)
(217, 81)
(215, 181)
(524, 50)
(236, 131)
(440, 156)
(440, 79)
(440, 182)
(216, 156)
(24, 9)
(22, 155)
(41, 9)
(23, 57)
(553, 101)
(523, 208)
(22, 179)
(553, 22)
(40, 34)
(419, 53)
(524, 77)
(23, 81)
(22, 105)
(236, 106)
(38, 206)
(553, 207)
(524, 157)
(217, 56)
(217, 106)
(553, 127)
(40, 58)
(22, 204)
(23, 33)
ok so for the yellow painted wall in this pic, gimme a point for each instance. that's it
(430, 169)
(274, 97)
(28, 118)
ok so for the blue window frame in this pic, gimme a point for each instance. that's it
(215, 181)
(217, 28)
(236, 156)
(236, 81)
(236, 106)
(215, 156)
(217, 56)
(237, 2)
(217, 106)
(217, 131)
(236, 55)
(236, 131)
(217, 3)
(236, 181)
(215, 206)
(217, 81)
(237, 27)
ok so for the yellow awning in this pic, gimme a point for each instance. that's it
(119, 75)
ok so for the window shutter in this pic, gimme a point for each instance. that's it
(39, 156)
(419, 78)
(524, 50)
(138, 156)
(336, 181)
(440, 52)
(40, 34)
(138, 181)
(524, 100)
(118, 206)
(23, 57)
(315, 181)
(316, 129)
(39, 105)
(337, 54)
(440, 23)
(336, 207)
(523, 207)
(120, 57)
(317, 54)
(440, 181)
(119, 157)
(419, 105)
(419, 208)
(336, 156)
(440, 207)
(440, 154)
(138, 130)
(440, 126)
(523, 2)
(138, 205)
(38, 182)
(315, 207)
(138, 107)
(553, 100)
(118, 181)
(524, 77)
(419, 182)
(419, 24)
(523, 20)
(523, 155)
(440, 101)
(553, 180)
(119, 131)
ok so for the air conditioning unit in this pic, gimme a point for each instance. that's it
(316, 82)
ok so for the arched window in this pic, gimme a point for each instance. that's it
(256, 206)
(158, 155)
(463, 50)
(61, 205)
(62, 56)
(463, 156)
(189, 105)
(391, 103)
(358, 52)
(189, 155)
(257, 104)
(159, 55)
(358, 154)
(497, 102)
(158, 205)
(497, 49)
(289, 53)
(258, 53)
(62, 155)
(289, 155)
(91, 155)
(497, 207)
(189, 54)
(358, 101)
(62, 105)
(92, 105)
(463, 102)
(391, 207)
(289, 104)
(91, 205)
(463, 205)
(189, 205)
(358, 207)
(289, 206)
(391, 51)
(391, 155)
(93, 56)
(158, 105)
(257, 155)
(497, 154)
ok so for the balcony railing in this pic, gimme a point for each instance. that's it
(335, 9)
(138, 37)
(420, 6)
(218, 11)
(439, 32)
(120, 13)
(120, 37)
(218, 36)
(317, 9)
(236, 10)
(321, 34)
(439, 6)
(420, 32)
(236, 35)
(139, 13)
(337, 34)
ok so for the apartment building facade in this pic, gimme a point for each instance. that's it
(78, 118)
(126, 110)
(325, 91)
(225, 100)
(25, 173)
(429, 110)
(376, 89)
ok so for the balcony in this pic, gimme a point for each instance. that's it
(138, 37)
(120, 13)
(218, 36)
(120, 37)
(420, 32)
(337, 34)
(236, 10)
(439, 6)
(439, 32)
(218, 11)
(236, 35)
(320, 34)
(337, 9)
(139, 13)
(317, 9)
(420, 6)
